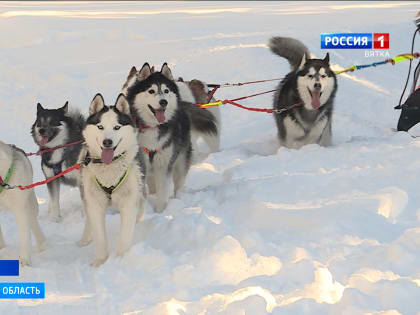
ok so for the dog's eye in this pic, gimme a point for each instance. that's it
(117, 127)
(151, 91)
(166, 91)
(323, 76)
(100, 127)
(310, 76)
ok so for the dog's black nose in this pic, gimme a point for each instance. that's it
(317, 86)
(163, 103)
(107, 143)
(42, 131)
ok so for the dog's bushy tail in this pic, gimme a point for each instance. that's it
(289, 48)
(202, 121)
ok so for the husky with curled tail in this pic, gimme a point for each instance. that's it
(205, 122)
(304, 98)
(15, 169)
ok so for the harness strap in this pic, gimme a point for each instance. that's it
(109, 190)
(150, 153)
(57, 168)
(5, 182)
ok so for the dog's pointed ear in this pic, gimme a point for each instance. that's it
(166, 71)
(122, 105)
(97, 104)
(327, 59)
(144, 72)
(39, 107)
(65, 108)
(133, 71)
(302, 62)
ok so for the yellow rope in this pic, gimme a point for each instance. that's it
(349, 69)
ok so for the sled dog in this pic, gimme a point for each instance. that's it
(15, 169)
(111, 174)
(164, 131)
(306, 95)
(55, 127)
(205, 123)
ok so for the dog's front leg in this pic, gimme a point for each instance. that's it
(87, 233)
(141, 207)
(326, 137)
(162, 189)
(24, 233)
(96, 213)
(54, 203)
(36, 229)
(128, 212)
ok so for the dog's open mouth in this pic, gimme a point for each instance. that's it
(316, 98)
(108, 154)
(159, 114)
(44, 140)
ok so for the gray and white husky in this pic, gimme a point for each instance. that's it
(305, 97)
(164, 131)
(15, 169)
(205, 123)
(55, 127)
(111, 175)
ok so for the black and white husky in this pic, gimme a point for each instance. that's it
(15, 169)
(205, 123)
(164, 131)
(304, 99)
(55, 127)
(111, 175)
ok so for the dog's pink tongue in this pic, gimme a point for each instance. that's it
(160, 115)
(43, 141)
(107, 156)
(316, 102)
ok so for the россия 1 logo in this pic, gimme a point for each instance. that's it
(355, 40)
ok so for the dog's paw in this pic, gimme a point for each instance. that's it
(25, 261)
(43, 246)
(83, 242)
(160, 206)
(120, 253)
(98, 261)
(54, 217)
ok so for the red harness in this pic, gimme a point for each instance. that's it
(140, 129)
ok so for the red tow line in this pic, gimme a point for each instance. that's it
(40, 152)
(68, 170)
(254, 109)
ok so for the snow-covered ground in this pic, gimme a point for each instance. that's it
(311, 231)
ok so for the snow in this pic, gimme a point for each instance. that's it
(256, 230)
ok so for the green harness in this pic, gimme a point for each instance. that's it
(109, 190)
(4, 183)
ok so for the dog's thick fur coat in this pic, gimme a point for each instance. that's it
(23, 204)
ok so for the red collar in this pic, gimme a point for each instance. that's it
(141, 127)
